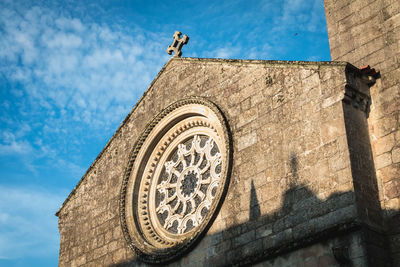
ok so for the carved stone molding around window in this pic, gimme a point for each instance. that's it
(175, 180)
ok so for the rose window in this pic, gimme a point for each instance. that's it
(187, 185)
(176, 177)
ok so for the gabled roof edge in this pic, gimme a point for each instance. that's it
(216, 60)
(263, 62)
(112, 137)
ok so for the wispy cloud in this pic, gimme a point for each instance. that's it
(71, 80)
(227, 51)
(266, 29)
(28, 226)
(300, 15)
(83, 69)
(11, 146)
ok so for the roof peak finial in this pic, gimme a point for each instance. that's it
(177, 44)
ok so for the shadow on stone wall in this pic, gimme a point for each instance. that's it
(302, 220)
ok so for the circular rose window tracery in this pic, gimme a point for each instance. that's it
(175, 179)
(185, 188)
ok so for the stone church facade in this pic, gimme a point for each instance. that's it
(254, 162)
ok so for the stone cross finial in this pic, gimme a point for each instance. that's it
(177, 44)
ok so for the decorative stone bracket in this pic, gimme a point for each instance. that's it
(357, 92)
(370, 75)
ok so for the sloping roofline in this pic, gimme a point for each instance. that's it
(199, 60)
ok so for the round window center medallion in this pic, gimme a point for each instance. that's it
(188, 185)
(175, 180)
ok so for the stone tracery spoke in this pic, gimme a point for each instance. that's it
(201, 195)
(176, 173)
(184, 208)
(201, 155)
(184, 163)
(206, 181)
(192, 202)
(166, 201)
(175, 207)
(193, 157)
(168, 186)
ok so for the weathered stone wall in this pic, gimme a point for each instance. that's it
(368, 33)
(321, 254)
(292, 182)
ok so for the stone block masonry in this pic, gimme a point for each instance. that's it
(296, 179)
(368, 33)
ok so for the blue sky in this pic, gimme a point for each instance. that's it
(70, 71)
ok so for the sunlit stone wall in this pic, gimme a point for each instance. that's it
(296, 191)
(368, 33)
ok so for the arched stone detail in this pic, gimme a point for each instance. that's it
(176, 178)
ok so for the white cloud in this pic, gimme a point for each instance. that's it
(11, 146)
(76, 81)
(75, 170)
(264, 52)
(15, 148)
(228, 51)
(28, 227)
(84, 68)
(294, 15)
